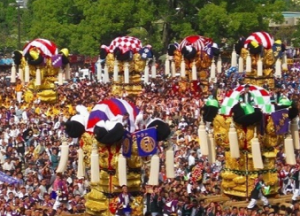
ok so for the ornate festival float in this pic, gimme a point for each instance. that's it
(126, 59)
(113, 150)
(250, 123)
(193, 57)
(39, 66)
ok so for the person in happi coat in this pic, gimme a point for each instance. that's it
(155, 202)
(296, 178)
(171, 205)
(246, 96)
(60, 187)
(124, 200)
(257, 193)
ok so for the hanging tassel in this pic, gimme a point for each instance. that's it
(67, 72)
(256, 153)
(295, 133)
(60, 77)
(219, 64)
(167, 66)
(233, 142)
(194, 71)
(153, 69)
(289, 150)
(213, 70)
(170, 172)
(106, 75)
(241, 65)
(182, 68)
(284, 62)
(212, 149)
(233, 58)
(38, 78)
(248, 64)
(126, 72)
(116, 71)
(278, 68)
(27, 75)
(95, 173)
(21, 75)
(64, 157)
(173, 69)
(203, 141)
(259, 67)
(13, 74)
(80, 164)
(146, 73)
(154, 171)
(122, 170)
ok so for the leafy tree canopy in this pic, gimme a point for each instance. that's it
(82, 25)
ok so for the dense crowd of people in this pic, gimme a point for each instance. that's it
(31, 135)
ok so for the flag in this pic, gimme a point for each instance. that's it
(8, 179)
(281, 121)
(56, 61)
(127, 144)
(146, 142)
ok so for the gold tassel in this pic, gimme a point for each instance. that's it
(13, 74)
(219, 64)
(173, 69)
(21, 75)
(248, 64)
(259, 67)
(233, 142)
(38, 78)
(167, 65)
(278, 68)
(212, 149)
(122, 170)
(60, 77)
(62, 166)
(116, 71)
(213, 71)
(256, 153)
(80, 164)
(194, 71)
(95, 172)
(203, 141)
(241, 64)
(295, 133)
(67, 72)
(233, 58)
(182, 68)
(27, 74)
(170, 163)
(289, 150)
(154, 170)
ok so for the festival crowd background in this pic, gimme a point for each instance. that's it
(30, 138)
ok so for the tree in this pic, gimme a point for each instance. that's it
(82, 25)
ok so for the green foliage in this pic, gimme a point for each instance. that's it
(82, 25)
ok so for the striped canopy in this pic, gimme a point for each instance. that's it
(47, 48)
(260, 95)
(262, 38)
(109, 109)
(198, 42)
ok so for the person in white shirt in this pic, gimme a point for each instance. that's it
(8, 165)
(24, 115)
(182, 124)
(191, 159)
(142, 120)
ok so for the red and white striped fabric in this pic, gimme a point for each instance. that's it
(108, 110)
(47, 48)
(262, 38)
(126, 42)
(197, 41)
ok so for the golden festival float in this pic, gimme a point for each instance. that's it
(193, 57)
(114, 154)
(250, 123)
(125, 59)
(38, 67)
